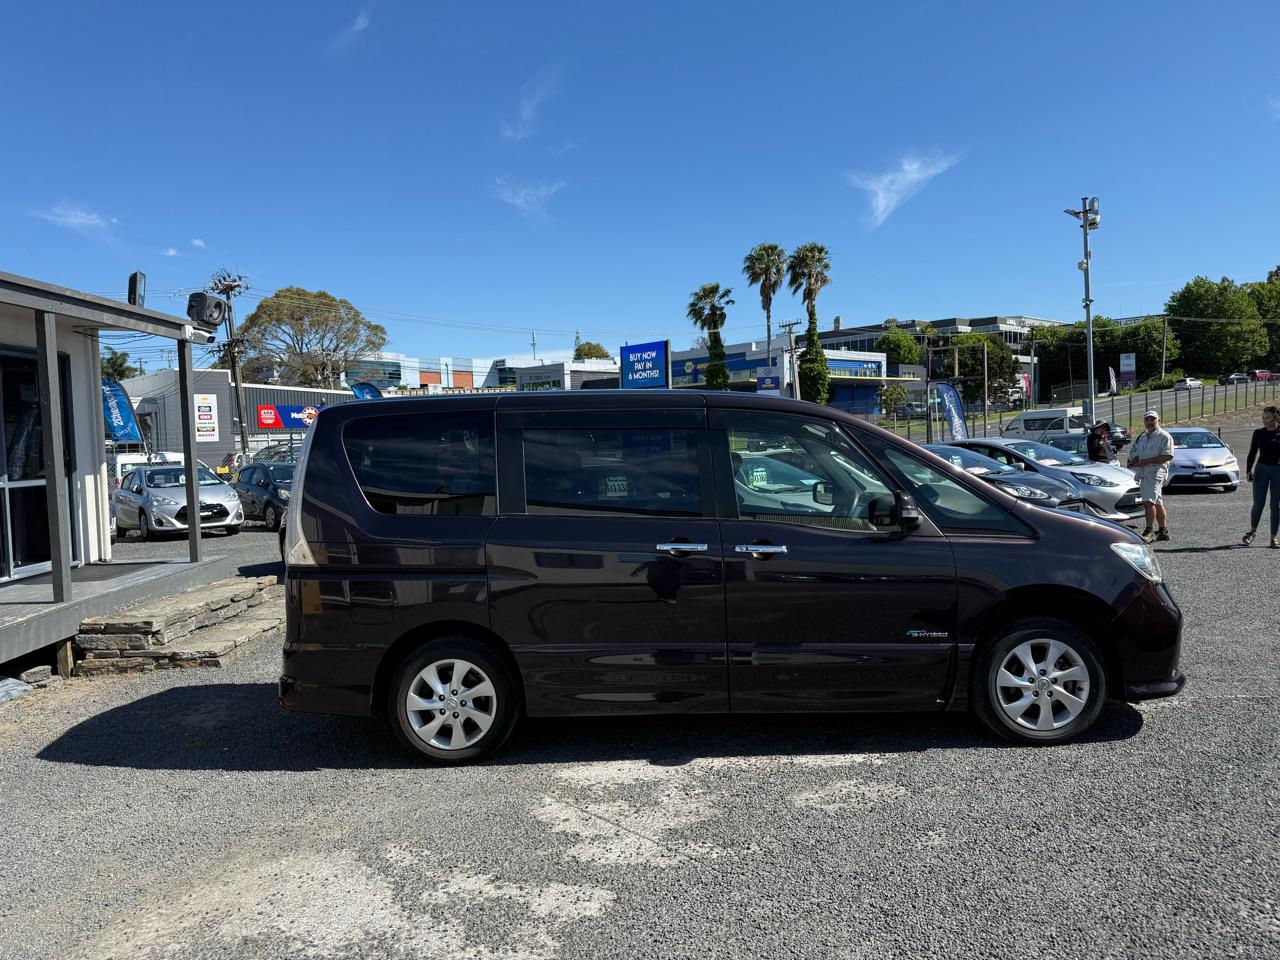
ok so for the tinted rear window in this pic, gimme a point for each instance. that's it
(424, 464)
(613, 472)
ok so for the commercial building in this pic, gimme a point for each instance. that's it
(1014, 330)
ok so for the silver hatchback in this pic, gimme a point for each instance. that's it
(153, 499)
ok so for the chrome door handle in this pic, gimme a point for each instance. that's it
(760, 549)
(681, 547)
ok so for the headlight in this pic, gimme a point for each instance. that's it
(1230, 462)
(1140, 557)
(1093, 480)
(164, 502)
(1023, 492)
(283, 494)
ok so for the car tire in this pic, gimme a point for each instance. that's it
(270, 517)
(231, 531)
(144, 526)
(428, 715)
(1014, 684)
(1231, 488)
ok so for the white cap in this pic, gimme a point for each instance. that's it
(1151, 413)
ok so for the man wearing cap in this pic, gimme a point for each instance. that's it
(1100, 442)
(1149, 459)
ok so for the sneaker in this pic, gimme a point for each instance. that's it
(1146, 534)
(1163, 535)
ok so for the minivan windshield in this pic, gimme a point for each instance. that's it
(1197, 440)
(1044, 454)
(970, 460)
(176, 477)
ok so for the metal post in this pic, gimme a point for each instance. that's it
(186, 402)
(986, 396)
(1164, 345)
(1088, 310)
(55, 470)
(234, 348)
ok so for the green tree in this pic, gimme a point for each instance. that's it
(765, 266)
(312, 336)
(1266, 297)
(707, 311)
(1002, 368)
(892, 396)
(115, 364)
(890, 323)
(1210, 348)
(808, 271)
(898, 346)
(588, 350)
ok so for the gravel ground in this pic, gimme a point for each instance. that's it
(254, 548)
(185, 815)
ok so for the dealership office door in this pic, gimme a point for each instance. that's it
(24, 545)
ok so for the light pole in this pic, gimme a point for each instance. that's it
(1089, 218)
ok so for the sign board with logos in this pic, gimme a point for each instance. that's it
(1128, 369)
(206, 417)
(769, 386)
(646, 365)
(280, 416)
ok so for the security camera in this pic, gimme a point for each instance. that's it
(192, 335)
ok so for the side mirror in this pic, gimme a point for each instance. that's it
(908, 512)
(824, 493)
(1019, 465)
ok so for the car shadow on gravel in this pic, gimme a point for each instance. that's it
(241, 727)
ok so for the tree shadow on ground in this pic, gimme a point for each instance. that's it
(241, 727)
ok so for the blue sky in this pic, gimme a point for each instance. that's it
(467, 173)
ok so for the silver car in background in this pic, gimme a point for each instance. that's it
(152, 499)
(1201, 459)
(1104, 491)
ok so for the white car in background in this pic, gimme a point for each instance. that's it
(1201, 459)
(1188, 383)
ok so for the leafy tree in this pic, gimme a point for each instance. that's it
(892, 396)
(1217, 347)
(115, 364)
(890, 323)
(1266, 297)
(765, 266)
(588, 350)
(707, 311)
(1002, 368)
(311, 336)
(898, 346)
(807, 273)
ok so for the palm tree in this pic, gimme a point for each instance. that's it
(707, 311)
(807, 274)
(766, 267)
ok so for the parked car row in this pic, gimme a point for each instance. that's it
(460, 563)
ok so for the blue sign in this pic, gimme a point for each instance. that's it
(366, 391)
(122, 425)
(954, 411)
(768, 383)
(646, 365)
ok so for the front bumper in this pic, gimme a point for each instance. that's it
(1148, 643)
(1186, 476)
(213, 515)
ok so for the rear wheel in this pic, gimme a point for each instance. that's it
(453, 701)
(270, 517)
(1041, 681)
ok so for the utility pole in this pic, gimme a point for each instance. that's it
(1164, 345)
(228, 286)
(533, 342)
(790, 327)
(986, 396)
(1089, 218)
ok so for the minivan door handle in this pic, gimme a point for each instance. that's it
(761, 550)
(681, 547)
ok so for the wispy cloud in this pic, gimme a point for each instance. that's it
(74, 218)
(528, 199)
(536, 92)
(560, 151)
(357, 27)
(889, 190)
(197, 243)
(170, 252)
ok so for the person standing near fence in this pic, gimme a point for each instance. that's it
(1265, 474)
(1149, 459)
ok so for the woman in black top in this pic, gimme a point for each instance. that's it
(1265, 476)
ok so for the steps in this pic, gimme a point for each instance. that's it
(199, 628)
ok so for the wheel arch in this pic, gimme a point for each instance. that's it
(424, 634)
(1082, 610)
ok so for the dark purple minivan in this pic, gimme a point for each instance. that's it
(460, 563)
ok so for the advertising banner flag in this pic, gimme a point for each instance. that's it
(1112, 372)
(366, 391)
(122, 425)
(646, 365)
(954, 411)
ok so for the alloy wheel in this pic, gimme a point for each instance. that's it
(1042, 685)
(451, 704)
(269, 517)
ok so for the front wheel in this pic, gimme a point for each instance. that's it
(144, 526)
(1041, 681)
(270, 517)
(453, 701)
(1231, 488)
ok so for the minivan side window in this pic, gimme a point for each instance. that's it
(628, 472)
(956, 509)
(792, 470)
(424, 464)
